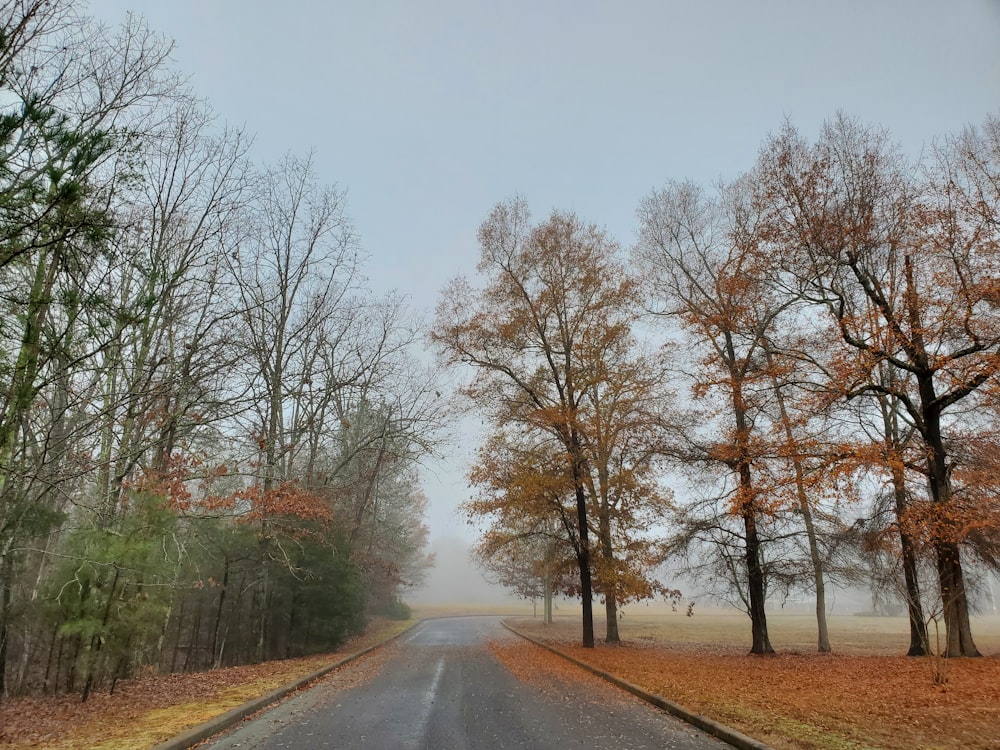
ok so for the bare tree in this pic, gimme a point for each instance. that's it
(700, 257)
(74, 96)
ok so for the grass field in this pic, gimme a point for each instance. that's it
(789, 632)
(728, 628)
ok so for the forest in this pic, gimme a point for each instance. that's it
(209, 425)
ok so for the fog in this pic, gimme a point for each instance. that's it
(456, 580)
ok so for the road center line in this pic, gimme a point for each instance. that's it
(431, 692)
(427, 702)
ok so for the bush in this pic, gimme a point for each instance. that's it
(395, 610)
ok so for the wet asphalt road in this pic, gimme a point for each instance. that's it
(440, 688)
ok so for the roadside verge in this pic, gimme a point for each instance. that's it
(709, 726)
(194, 735)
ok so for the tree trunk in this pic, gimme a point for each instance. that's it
(73, 660)
(610, 587)
(583, 559)
(264, 614)
(949, 563)
(611, 612)
(547, 588)
(194, 642)
(48, 663)
(914, 607)
(97, 642)
(290, 632)
(894, 447)
(955, 602)
(758, 619)
(18, 401)
(6, 574)
(816, 560)
(177, 637)
(233, 610)
(823, 633)
(216, 653)
(756, 588)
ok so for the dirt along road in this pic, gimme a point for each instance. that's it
(442, 686)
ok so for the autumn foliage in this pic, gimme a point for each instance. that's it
(828, 321)
(572, 404)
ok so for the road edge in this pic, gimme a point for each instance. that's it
(191, 737)
(709, 726)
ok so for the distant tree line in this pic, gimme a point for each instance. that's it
(791, 380)
(209, 425)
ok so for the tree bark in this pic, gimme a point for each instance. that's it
(6, 574)
(610, 587)
(583, 559)
(611, 612)
(955, 602)
(216, 651)
(894, 447)
(914, 607)
(822, 631)
(949, 564)
(755, 574)
(756, 586)
(547, 585)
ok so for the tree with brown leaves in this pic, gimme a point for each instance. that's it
(904, 262)
(704, 272)
(540, 337)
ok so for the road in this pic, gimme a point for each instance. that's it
(440, 687)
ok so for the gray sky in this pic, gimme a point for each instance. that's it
(429, 112)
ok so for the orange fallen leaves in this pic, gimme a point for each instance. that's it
(805, 700)
(63, 721)
(791, 701)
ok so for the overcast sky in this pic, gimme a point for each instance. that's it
(430, 112)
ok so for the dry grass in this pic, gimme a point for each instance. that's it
(789, 632)
(864, 695)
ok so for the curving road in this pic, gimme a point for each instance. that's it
(440, 687)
